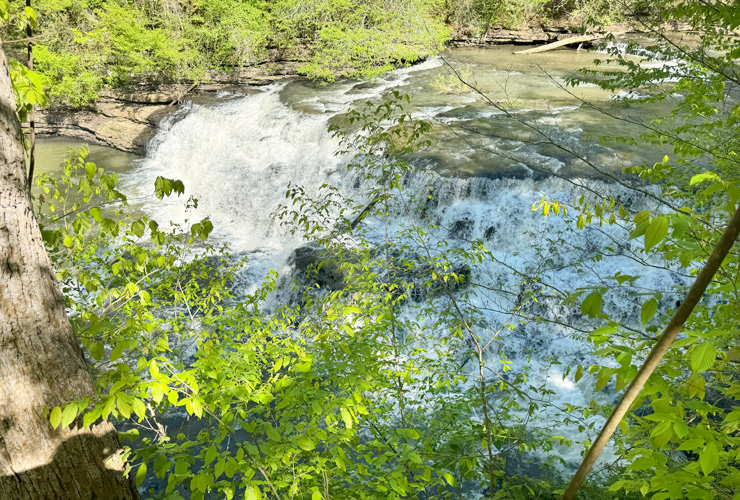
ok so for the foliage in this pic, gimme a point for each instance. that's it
(680, 440)
(84, 46)
(337, 393)
(478, 16)
(27, 84)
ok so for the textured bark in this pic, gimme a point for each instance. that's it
(41, 363)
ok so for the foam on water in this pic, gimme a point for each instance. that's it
(237, 159)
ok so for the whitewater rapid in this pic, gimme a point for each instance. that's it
(238, 155)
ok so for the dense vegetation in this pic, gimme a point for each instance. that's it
(81, 46)
(336, 393)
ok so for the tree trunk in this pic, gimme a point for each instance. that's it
(41, 363)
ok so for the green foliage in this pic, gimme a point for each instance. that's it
(478, 16)
(28, 87)
(87, 45)
(680, 440)
(339, 395)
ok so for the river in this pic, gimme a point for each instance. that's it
(492, 158)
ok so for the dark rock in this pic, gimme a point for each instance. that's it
(313, 263)
(462, 228)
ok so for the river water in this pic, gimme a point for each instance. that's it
(492, 158)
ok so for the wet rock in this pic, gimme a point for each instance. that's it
(426, 281)
(462, 228)
(312, 263)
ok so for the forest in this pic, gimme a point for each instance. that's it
(413, 269)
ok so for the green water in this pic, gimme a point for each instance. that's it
(51, 153)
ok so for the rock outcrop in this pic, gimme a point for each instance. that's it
(127, 118)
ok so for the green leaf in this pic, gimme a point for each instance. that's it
(117, 351)
(450, 479)
(649, 309)
(31, 16)
(141, 474)
(696, 385)
(109, 405)
(161, 466)
(197, 408)
(273, 434)
(706, 176)
(603, 377)
(591, 306)
(644, 489)
(656, 231)
(703, 356)
(124, 405)
(579, 373)
(691, 444)
(96, 214)
(211, 455)
(56, 417)
(96, 351)
(346, 417)
(681, 429)
(306, 443)
(252, 493)
(230, 468)
(69, 414)
(139, 409)
(138, 228)
(219, 469)
(181, 467)
(709, 458)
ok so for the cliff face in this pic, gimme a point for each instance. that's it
(127, 118)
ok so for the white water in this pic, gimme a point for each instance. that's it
(238, 156)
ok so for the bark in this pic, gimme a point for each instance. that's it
(41, 363)
(31, 122)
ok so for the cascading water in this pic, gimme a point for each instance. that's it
(238, 155)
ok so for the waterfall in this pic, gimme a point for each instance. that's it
(238, 155)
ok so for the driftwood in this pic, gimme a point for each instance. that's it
(562, 43)
(177, 101)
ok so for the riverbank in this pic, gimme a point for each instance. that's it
(127, 118)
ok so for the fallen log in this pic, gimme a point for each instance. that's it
(562, 43)
(177, 100)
